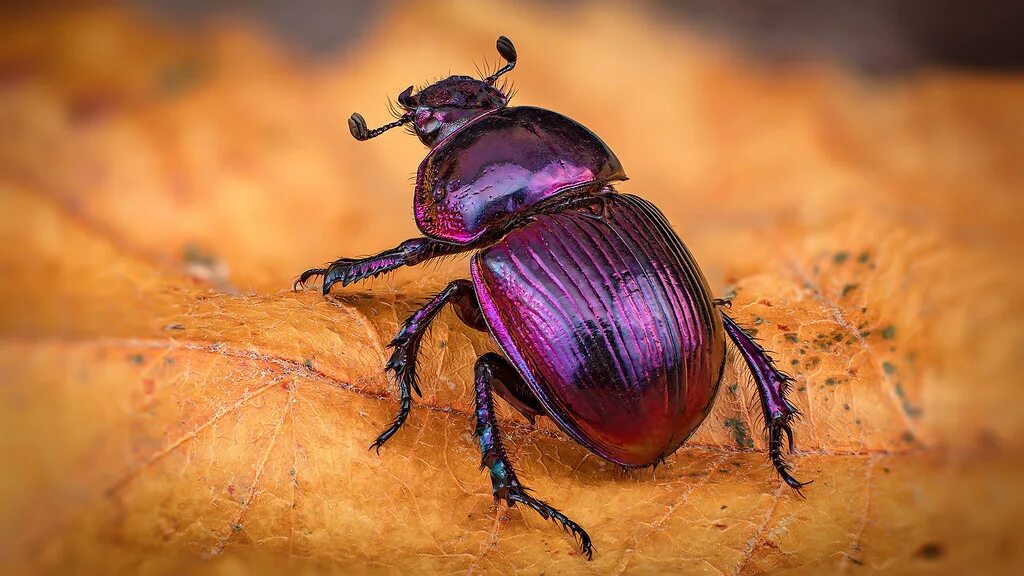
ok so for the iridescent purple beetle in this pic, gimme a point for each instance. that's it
(606, 323)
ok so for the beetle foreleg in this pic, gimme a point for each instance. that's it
(491, 369)
(772, 385)
(349, 270)
(406, 346)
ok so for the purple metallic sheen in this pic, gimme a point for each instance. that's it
(611, 323)
(501, 164)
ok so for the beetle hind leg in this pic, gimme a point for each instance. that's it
(772, 385)
(491, 369)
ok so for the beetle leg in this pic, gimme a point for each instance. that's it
(507, 382)
(509, 385)
(772, 385)
(406, 346)
(468, 310)
(349, 270)
(491, 368)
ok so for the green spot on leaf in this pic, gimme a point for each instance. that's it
(908, 408)
(739, 433)
(196, 256)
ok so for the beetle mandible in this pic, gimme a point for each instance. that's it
(606, 323)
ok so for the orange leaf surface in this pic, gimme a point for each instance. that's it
(170, 406)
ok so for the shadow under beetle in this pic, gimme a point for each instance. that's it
(606, 322)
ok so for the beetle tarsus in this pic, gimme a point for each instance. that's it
(549, 513)
(403, 413)
(344, 270)
(775, 430)
(300, 283)
(772, 385)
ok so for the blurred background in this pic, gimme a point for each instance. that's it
(851, 173)
(876, 36)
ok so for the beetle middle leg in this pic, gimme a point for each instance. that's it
(493, 370)
(406, 346)
(772, 385)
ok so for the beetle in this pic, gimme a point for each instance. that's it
(605, 322)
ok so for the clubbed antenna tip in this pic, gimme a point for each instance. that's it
(506, 48)
(357, 125)
(508, 51)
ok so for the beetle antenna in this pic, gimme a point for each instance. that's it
(357, 125)
(508, 51)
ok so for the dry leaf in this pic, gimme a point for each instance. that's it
(170, 406)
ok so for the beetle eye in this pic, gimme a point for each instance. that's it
(406, 99)
(430, 125)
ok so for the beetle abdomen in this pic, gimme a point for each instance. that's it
(610, 321)
(500, 165)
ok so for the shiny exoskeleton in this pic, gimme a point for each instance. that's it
(605, 321)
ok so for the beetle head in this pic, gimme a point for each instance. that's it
(446, 105)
